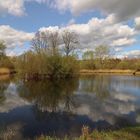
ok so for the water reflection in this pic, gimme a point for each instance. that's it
(99, 85)
(32, 108)
(4, 82)
(50, 95)
(110, 99)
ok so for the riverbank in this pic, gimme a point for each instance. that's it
(109, 71)
(6, 71)
(131, 133)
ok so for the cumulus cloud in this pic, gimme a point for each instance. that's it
(132, 54)
(100, 31)
(123, 10)
(13, 37)
(97, 31)
(15, 7)
(137, 23)
(123, 42)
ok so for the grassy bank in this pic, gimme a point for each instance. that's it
(6, 71)
(123, 134)
(110, 71)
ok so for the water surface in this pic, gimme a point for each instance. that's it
(61, 107)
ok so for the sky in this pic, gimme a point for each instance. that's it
(115, 23)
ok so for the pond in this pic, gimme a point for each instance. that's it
(61, 107)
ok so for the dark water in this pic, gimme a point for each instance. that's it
(58, 108)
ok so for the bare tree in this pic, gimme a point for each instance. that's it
(46, 41)
(53, 41)
(2, 48)
(88, 55)
(102, 52)
(39, 42)
(70, 40)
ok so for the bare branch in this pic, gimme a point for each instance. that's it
(70, 40)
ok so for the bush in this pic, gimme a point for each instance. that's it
(124, 64)
(88, 64)
(5, 62)
(133, 64)
(42, 65)
(61, 67)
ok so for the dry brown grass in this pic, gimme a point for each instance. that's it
(108, 71)
(138, 73)
(4, 71)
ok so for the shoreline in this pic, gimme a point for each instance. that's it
(128, 133)
(109, 72)
(6, 71)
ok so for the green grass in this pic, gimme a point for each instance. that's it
(132, 133)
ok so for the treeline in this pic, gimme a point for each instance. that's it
(53, 55)
(123, 64)
(48, 58)
(49, 94)
(102, 58)
(5, 61)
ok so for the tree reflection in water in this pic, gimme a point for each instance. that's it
(50, 96)
(99, 85)
(4, 83)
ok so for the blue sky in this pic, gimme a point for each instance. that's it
(95, 22)
(40, 15)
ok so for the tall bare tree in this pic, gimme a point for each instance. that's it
(53, 41)
(102, 52)
(46, 41)
(39, 42)
(70, 40)
(88, 55)
(2, 48)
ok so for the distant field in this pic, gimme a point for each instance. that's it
(107, 71)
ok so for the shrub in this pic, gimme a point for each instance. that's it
(43, 65)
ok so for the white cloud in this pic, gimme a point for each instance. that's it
(133, 53)
(129, 54)
(137, 23)
(15, 7)
(91, 34)
(123, 42)
(123, 9)
(13, 37)
(50, 28)
(100, 31)
(118, 49)
(71, 21)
